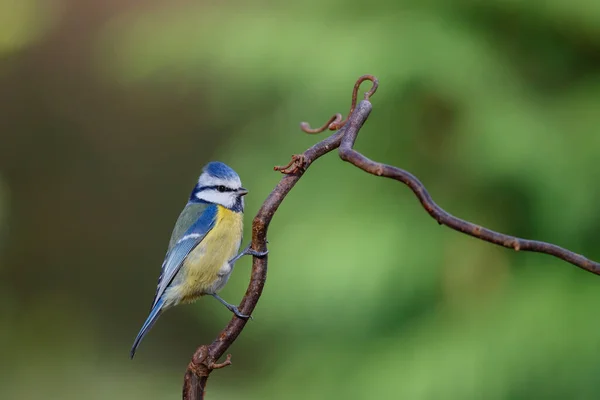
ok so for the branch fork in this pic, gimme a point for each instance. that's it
(204, 359)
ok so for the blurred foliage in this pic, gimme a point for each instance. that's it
(112, 110)
(4, 206)
(22, 22)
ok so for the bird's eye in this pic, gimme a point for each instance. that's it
(221, 188)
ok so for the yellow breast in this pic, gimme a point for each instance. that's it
(203, 268)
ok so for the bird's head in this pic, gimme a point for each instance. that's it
(219, 184)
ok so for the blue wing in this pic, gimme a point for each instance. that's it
(179, 248)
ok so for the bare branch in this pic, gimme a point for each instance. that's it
(205, 358)
(347, 153)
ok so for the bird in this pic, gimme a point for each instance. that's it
(203, 245)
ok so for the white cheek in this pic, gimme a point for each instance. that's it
(231, 199)
(226, 199)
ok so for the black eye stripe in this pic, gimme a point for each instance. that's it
(219, 188)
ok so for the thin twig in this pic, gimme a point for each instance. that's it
(295, 164)
(205, 358)
(335, 122)
(347, 153)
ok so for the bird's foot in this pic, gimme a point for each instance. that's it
(248, 251)
(256, 253)
(231, 307)
(238, 314)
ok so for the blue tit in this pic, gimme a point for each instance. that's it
(203, 246)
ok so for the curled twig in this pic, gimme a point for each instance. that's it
(336, 122)
(336, 119)
(370, 92)
(205, 358)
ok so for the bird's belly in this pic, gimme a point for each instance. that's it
(206, 269)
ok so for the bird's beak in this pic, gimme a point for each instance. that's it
(242, 191)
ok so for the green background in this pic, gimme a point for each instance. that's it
(109, 110)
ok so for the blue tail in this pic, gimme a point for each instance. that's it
(154, 314)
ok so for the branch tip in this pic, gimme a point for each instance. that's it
(221, 365)
(374, 85)
(335, 122)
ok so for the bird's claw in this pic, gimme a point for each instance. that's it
(256, 253)
(249, 251)
(238, 314)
